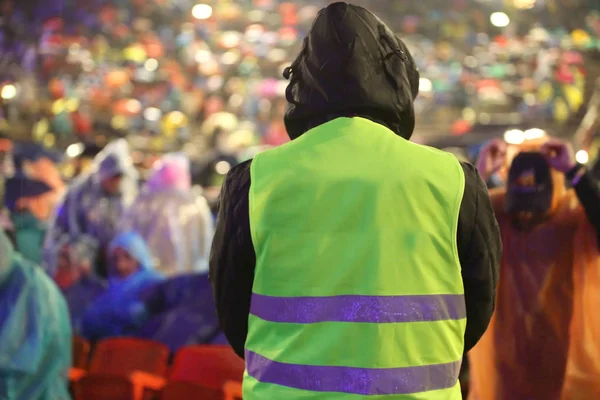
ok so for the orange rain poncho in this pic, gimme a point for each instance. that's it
(544, 339)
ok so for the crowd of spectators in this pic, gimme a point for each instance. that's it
(169, 72)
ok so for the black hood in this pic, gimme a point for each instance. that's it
(351, 64)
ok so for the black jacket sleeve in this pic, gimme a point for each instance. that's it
(588, 193)
(232, 259)
(479, 250)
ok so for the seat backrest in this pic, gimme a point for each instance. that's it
(122, 356)
(104, 388)
(207, 365)
(81, 352)
(188, 390)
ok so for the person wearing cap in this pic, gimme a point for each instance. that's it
(94, 204)
(35, 334)
(351, 262)
(541, 342)
(30, 205)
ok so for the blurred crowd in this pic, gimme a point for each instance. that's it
(110, 242)
(171, 72)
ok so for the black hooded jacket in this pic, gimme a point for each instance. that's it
(350, 65)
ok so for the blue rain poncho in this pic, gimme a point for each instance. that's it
(174, 219)
(183, 313)
(120, 310)
(35, 334)
(87, 210)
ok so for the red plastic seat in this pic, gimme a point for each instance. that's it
(101, 387)
(81, 352)
(232, 390)
(188, 390)
(124, 356)
(208, 366)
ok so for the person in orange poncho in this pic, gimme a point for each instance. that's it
(533, 348)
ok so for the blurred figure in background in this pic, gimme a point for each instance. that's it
(40, 163)
(173, 219)
(29, 203)
(94, 204)
(549, 240)
(75, 278)
(120, 310)
(35, 334)
(182, 313)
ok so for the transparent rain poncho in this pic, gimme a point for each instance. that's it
(173, 219)
(86, 209)
(35, 332)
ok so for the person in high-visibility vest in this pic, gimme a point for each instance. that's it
(351, 262)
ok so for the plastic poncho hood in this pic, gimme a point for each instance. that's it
(174, 220)
(133, 244)
(351, 64)
(120, 307)
(86, 210)
(20, 331)
(35, 336)
(171, 172)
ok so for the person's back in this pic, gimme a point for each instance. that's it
(35, 334)
(356, 246)
(346, 263)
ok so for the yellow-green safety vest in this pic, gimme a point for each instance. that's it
(357, 290)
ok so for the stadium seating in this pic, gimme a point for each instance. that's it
(81, 353)
(104, 388)
(208, 366)
(189, 390)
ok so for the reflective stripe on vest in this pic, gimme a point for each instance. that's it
(365, 381)
(366, 309)
(375, 309)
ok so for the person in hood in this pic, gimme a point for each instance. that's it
(351, 261)
(94, 204)
(174, 219)
(75, 279)
(29, 202)
(120, 310)
(35, 334)
(542, 339)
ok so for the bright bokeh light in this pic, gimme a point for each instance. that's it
(151, 65)
(133, 106)
(222, 167)
(499, 19)
(203, 56)
(534, 133)
(152, 114)
(177, 117)
(524, 4)
(202, 11)
(9, 92)
(514, 136)
(425, 85)
(75, 150)
(582, 157)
